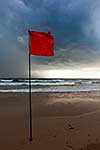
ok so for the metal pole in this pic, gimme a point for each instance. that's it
(30, 97)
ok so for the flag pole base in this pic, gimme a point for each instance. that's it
(30, 139)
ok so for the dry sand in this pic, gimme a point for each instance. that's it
(61, 121)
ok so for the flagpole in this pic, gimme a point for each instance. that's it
(30, 97)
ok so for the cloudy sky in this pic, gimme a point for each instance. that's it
(76, 29)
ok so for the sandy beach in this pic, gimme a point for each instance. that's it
(61, 121)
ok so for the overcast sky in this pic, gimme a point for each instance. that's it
(74, 24)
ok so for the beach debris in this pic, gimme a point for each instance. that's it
(68, 145)
(70, 127)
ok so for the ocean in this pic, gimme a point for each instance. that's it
(50, 85)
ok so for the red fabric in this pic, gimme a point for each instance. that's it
(41, 43)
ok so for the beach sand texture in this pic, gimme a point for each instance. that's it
(61, 121)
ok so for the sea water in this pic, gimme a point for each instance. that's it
(50, 85)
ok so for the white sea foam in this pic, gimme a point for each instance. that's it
(6, 80)
(35, 83)
(45, 82)
(12, 84)
(48, 90)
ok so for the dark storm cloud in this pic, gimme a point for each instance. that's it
(75, 25)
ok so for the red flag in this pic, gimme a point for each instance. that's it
(41, 43)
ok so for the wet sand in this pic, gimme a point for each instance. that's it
(61, 121)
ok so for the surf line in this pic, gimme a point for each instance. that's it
(48, 90)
